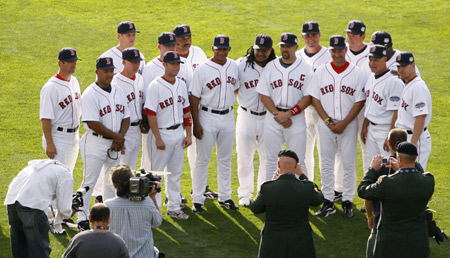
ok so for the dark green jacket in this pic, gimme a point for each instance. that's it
(286, 231)
(402, 229)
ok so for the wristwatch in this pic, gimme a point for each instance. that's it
(327, 121)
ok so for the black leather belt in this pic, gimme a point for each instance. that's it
(214, 111)
(101, 136)
(136, 123)
(372, 123)
(254, 113)
(282, 109)
(411, 132)
(173, 127)
(68, 130)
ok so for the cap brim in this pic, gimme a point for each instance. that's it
(310, 32)
(174, 61)
(354, 32)
(169, 44)
(107, 67)
(401, 64)
(70, 59)
(222, 47)
(134, 60)
(129, 31)
(261, 47)
(183, 35)
(375, 56)
(337, 47)
(286, 44)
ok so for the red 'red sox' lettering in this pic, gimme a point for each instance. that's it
(251, 84)
(347, 90)
(276, 84)
(404, 105)
(131, 97)
(327, 89)
(120, 108)
(231, 80)
(296, 84)
(377, 98)
(214, 83)
(63, 104)
(105, 110)
(166, 103)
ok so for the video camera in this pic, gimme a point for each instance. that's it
(142, 184)
(77, 198)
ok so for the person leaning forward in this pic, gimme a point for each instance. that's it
(286, 201)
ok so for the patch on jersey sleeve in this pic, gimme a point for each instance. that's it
(420, 105)
(394, 98)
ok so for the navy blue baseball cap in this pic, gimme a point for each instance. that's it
(67, 54)
(182, 30)
(221, 42)
(310, 27)
(104, 63)
(172, 57)
(167, 39)
(356, 27)
(131, 54)
(381, 38)
(263, 42)
(126, 27)
(337, 42)
(377, 51)
(288, 39)
(404, 58)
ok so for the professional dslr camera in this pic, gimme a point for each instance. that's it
(142, 184)
(77, 198)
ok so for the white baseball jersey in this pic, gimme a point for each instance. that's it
(285, 86)
(116, 55)
(358, 58)
(337, 92)
(382, 98)
(248, 79)
(194, 58)
(133, 90)
(60, 102)
(317, 59)
(168, 101)
(108, 108)
(416, 101)
(215, 84)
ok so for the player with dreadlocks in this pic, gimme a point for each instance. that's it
(251, 114)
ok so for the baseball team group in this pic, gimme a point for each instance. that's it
(329, 95)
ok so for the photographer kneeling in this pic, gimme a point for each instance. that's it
(133, 218)
(29, 195)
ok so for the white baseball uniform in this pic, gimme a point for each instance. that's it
(168, 102)
(116, 55)
(416, 101)
(108, 108)
(390, 64)
(286, 87)
(311, 116)
(382, 99)
(338, 93)
(214, 85)
(133, 89)
(250, 129)
(60, 102)
(195, 57)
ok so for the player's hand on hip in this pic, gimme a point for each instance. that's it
(287, 123)
(160, 145)
(198, 131)
(51, 151)
(187, 141)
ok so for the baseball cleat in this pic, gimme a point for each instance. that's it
(347, 209)
(244, 201)
(210, 194)
(197, 208)
(83, 225)
(337, 196)
(327, 209)
(178, 215)
(229, 205)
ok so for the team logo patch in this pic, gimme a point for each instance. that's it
(399, 57)
(336, 41)
(295, 41)
(411, 59)
(384, 52)
(261, 41)
(171, 37)
(394, 98)
(372, 50)
(222, 41)
(185, 29)
(363, 29)
(350, 26)
(386, 40)
(374, 36)
(72, 52)
(108, 61)
(310, 26)
(136, 54)
(175, 55)
(285, 36)
(420, 105)
(130, 24)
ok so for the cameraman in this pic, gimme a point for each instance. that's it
(133, 220)
(29, 195)
(402, 228)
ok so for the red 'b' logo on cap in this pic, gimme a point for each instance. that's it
(285, 36)
(399, 57)
(373, 49)
(222, 41)
(175, 55)
(72, 52)
(261, 41)
(336, 41)
(185, 29)
(108, 61)
(374, 37)
(350, 26)
(171, 36)
(136, 54)
(131, 25)
(310, 26)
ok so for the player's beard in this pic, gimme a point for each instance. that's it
(286, 55)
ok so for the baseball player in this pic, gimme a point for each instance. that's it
(60, 111)
(251, 115)
(282, 87)
(415, 112)
(383, 92)
(126, 33)
(132, 85)
(191, 58)
(315, 55)
(167, 108)
(153, 69)
(337, 95)
(212, 99)
(106, 118)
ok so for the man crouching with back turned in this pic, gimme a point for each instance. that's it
(286, 200)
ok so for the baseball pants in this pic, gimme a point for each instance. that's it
(172, 158)
(276, 135)
(249, 138)
(345, 143)
(146, 158)
(66, 145)
(312, 118)
(376, 136)
(132, 147)
(94, 152)
(218, 129)
(423, 147)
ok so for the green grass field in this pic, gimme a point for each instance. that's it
(34, 31)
